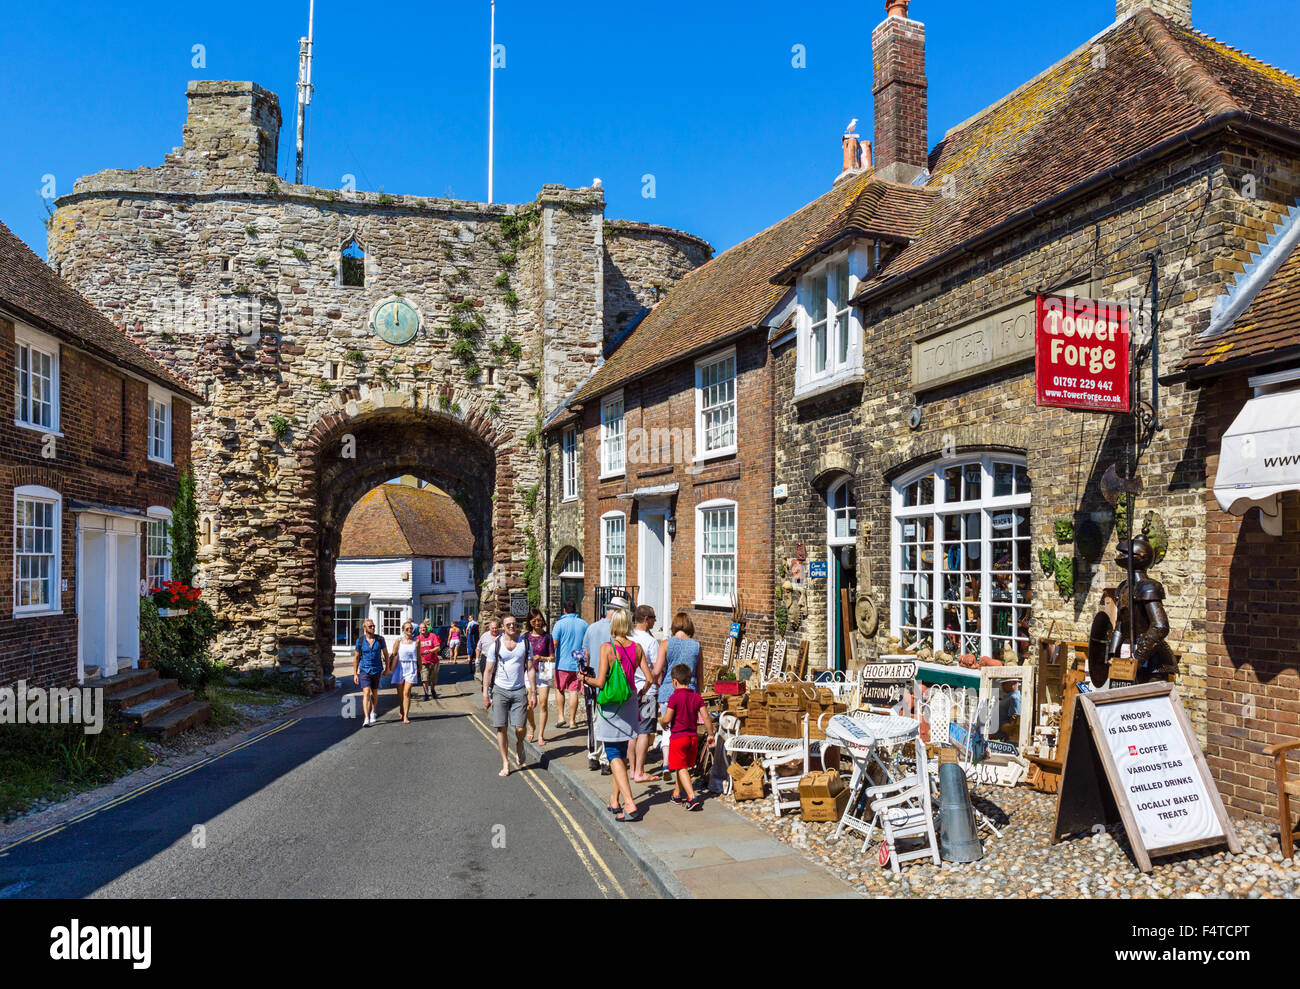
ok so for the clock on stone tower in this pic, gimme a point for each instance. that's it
(395, 321)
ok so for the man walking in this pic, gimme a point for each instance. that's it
(471, 635)
(596, 636)
(369, 663)
(568, 633)
(485, 643)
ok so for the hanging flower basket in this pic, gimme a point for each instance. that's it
(175, 598)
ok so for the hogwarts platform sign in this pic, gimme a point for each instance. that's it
(1133, 758)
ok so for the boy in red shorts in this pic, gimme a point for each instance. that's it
(683, 714)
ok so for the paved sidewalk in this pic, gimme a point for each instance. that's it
(712, 853)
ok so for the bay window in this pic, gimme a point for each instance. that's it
(962, 557)
(829, 331)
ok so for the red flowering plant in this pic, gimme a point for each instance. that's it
(176, 594)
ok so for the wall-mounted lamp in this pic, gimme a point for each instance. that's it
(672, 526)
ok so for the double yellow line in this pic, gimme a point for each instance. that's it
(590, 858)
(145, 788)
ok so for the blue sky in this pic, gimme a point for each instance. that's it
(702, 95)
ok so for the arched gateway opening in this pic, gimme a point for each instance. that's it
(366, 441)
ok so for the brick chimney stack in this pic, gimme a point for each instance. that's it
(1178, 11)
(899, 86)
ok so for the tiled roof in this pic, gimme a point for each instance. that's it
(400, 520)
(882, 211)
(1270, 324)
(1143, 81)
(40, 297)
(719, 299)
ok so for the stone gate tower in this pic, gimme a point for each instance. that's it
(343, 338)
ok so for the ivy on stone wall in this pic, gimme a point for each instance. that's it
(532, 570)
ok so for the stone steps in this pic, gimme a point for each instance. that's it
(159, 708)
(178, 720)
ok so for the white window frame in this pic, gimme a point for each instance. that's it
(381, 616)
(701, 597)
(567, 562)
(606, 577)
(849, 512)
(702, 451)
(156, 514)
(609, 469)
(354, 623)
(163, 400)
(808, 381)
(987, 505)
(429, 613)
(438, 572)
(48, 346)
(569, 463)
(43, 495)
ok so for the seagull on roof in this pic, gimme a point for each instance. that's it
(852, 126)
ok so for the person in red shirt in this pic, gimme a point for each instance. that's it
(428, 645)
(683, 715)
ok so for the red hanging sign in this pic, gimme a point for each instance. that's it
(1081, 354)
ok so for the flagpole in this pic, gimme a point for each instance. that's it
(492, 95)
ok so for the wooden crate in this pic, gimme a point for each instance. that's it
(756, 722)
(747, 782)
(784, 696)
(822, 796)
(784, 724)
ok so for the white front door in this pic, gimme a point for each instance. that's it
(653, 566)
(108, 592)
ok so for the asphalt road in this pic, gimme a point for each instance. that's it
(327, 808)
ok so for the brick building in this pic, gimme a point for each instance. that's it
(923, 473)
(1245, 368)
(93, 437)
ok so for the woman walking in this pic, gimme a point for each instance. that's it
(679, 649)
(542, 647)
(616, 723)
(509, 688)
(406, 671)
(453, 643)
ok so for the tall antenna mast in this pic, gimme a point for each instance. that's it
(304, 85)
(492, 95)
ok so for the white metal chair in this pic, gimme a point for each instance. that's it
(774, 752)
(864, 735)
(905, 811)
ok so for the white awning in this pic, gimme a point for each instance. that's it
(1260, 458)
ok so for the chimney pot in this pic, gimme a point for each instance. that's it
(896, 8)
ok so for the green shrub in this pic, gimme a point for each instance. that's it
(178, 647)
(48, 762)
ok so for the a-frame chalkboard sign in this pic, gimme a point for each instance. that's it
(1133, 758)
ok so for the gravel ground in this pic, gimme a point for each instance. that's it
(1024, 863)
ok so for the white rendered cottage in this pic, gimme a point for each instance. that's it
(406, 554)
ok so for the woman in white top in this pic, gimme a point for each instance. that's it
(406, 671)
(509, 688)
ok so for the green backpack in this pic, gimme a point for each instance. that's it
(616, 689)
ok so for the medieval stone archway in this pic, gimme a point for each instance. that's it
(363, 439)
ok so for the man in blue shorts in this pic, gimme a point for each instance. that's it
(369, 663)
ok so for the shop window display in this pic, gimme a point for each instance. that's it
(961, 544)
